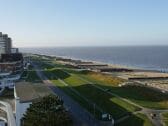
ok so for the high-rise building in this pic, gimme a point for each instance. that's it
(5, 44)
(11, 61)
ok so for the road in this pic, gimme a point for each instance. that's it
(80, 115)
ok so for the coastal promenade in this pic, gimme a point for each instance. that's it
(81, 117)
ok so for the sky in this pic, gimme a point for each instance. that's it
(52, 23)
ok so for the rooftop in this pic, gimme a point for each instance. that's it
(28, 92)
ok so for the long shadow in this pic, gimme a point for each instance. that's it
(99, 97)
(104, 102)
(134, 92)
(133, 120)
(92, 94)
(56, 73)
(139, 93)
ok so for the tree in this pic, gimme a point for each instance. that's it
(47, 111)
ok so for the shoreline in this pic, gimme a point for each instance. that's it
(109, 64)
(143, 77)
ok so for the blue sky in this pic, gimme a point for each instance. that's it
(85, 22)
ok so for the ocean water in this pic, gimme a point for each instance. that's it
(146, 57)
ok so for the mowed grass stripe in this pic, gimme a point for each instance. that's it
(72, 94)
(101, 98)
(136, 120)
(141, 95)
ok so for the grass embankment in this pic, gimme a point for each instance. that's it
(138, 120)
(109, 104)
(72, 94)
(165, 118)
(144, 96)
(141, 95)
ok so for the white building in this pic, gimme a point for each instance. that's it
(25, 93)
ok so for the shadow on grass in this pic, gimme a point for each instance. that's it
(133, 120)
(107, 102)
(102, 101)
(56, 73)
(97, 96)
(140, 93)
(134, 92)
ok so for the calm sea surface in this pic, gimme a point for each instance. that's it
(148, 57)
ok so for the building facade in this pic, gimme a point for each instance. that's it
(11, 62)
(5, 44)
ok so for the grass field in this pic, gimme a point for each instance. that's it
(165, 118)
(81, 81)
(139, 120)
(141, 95)
(109, 104)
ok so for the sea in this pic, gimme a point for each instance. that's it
(144, 57)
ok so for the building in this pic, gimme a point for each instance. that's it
(11, 62)
(14, 50)
(25, 93)
(5, 44)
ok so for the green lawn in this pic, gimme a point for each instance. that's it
(77, 98)
(140, 95)
(109, 104)
(136, 120)
(165, 118)
(144, 96)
